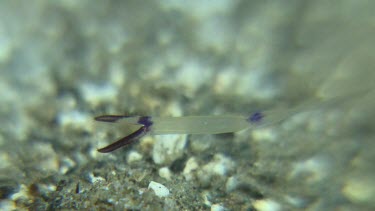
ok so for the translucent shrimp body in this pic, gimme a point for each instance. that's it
(208, 124)
(198, 124)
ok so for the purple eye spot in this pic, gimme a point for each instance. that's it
(146, 121)
(255, 117)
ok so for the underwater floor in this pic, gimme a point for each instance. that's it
(307, 67)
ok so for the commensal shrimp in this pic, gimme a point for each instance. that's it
(205, 124)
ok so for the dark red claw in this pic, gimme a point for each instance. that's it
(135, 136)
(110, 118)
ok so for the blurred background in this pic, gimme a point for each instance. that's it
(64, 62)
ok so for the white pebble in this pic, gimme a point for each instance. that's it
(266, 205)
(225, 80)
(48, 159)
(191, 77)
(66, 164)
(73, 118)
(315, 167)
(134, 156)
(7, 205)
(5, 160)
(231, 184)
(159, 189)
(220, 165)
(98, 93)
(94, 179)
(168, 148)
(190, 167)
(23, 193)
(264, 134)
(217, 207)
(359, 190)
(165, 173)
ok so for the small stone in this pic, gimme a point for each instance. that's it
(201, 143)
(5, 160)
(134, 156)
(315, 167)
(217, 207)
(191, 77)
(165, 173)
(66, 164)
(168, 148)
(22, 193)
(94, 179)
(159, 189)
(74, 118)
(48, 159)
(359, 190)
(8, 205)
(95, 94)
(264, 134)
(190, 167)
(231, 184)
(219, 166)
(266, 205)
